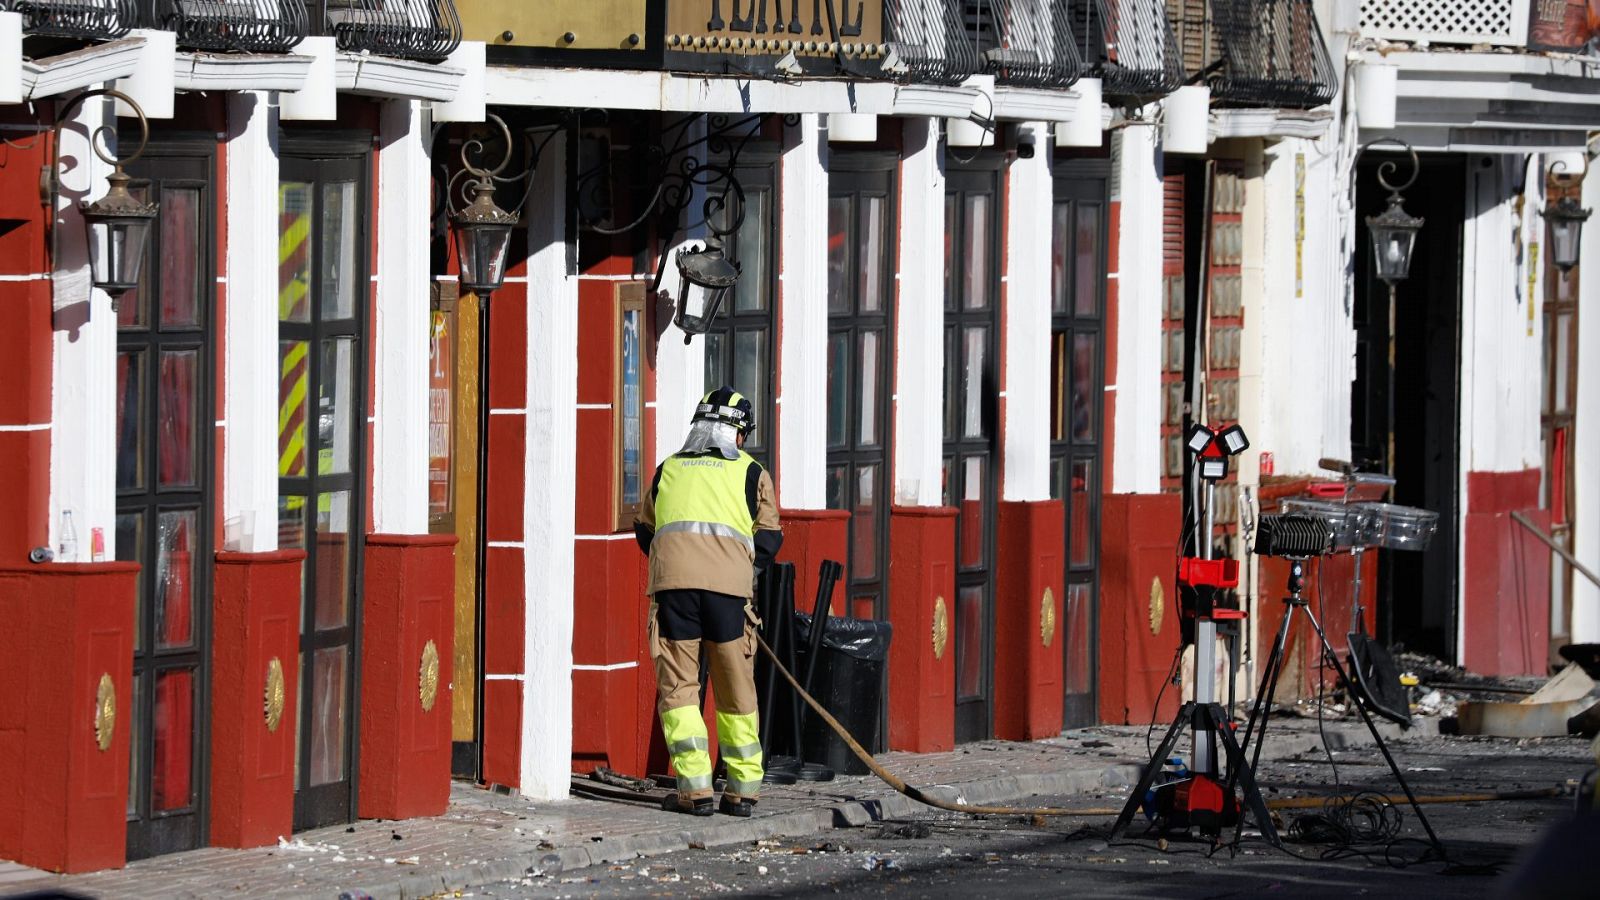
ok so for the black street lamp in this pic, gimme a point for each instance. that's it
(707, 275)
(118, 224)
(1566, 220)
(483, 229)
(1394, 236)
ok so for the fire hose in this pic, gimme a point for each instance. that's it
(921, 796)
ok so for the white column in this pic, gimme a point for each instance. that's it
(400, 332)
(1027, 319)
(250, 402)
(680, 365)
(803, 312)
(1138, 377)
(1585, 598)
(550, 497)
(83, 398)
(919, 319)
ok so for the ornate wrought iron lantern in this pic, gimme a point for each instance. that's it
(1566, 220)
(706, 277)
(118, 224)
(1394, 231)
(483, 229)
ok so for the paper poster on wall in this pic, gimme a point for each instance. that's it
(1562, 24)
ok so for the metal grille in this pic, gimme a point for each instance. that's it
(1023, 42)
(87, 19)
(1256, 52)
(1128, 44)
(426, 30)
(1501, 22)
(257, 26)
(927, 37)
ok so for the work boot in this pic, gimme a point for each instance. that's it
(736, 806)
(700, 807)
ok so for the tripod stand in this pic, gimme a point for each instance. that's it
(1255, 731)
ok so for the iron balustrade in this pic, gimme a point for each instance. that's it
(1128, 44)
(1027, 43)
(256, 26)
(928, 42)
(426, 30)
(91, 20)
(1267, 53)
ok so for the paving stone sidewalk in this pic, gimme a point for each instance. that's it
(486, 837)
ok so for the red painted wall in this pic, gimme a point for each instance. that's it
(1029, 575)
(405, 747)
(256, 618)
(922, 677)
(67, 625)
(1505, 596)
(809, 537)
(1138, 637)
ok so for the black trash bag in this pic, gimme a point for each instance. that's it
(848, 681)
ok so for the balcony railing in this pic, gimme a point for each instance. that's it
(255, 26)
(1501, 23)
(1128, 44)
(1027, 43)
(426, 30)
(1256, 52)
(929, 42)
(92, 20)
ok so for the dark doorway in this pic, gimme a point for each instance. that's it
(972, 219)
(323, 298)
(1418, 603)
(164, 501)
(1079, 231)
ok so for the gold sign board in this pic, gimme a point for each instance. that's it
(807, 21)
(588, 25)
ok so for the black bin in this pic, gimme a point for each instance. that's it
(848, 682)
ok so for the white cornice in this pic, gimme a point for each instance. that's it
(386, 76)
(1034, 105)
(935, 100)
(81, 68)
(1270, 123)
(240, 71)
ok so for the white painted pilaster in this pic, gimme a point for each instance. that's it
(680, 366)
(1138, 377)
(1585, 598)
(803, 388)
(400, 385)
(550, 497)
(919, 319)
(1027, 318)
(83, 397)
(250, 465)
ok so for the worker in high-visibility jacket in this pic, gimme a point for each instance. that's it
(709, 523)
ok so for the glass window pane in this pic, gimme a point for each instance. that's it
(716, 358)
(971, 521)
(1083, 387)
(291, 522)
(130, 548)
(327, 708)
(136, 740)
(869, 372)
(338, 247)
(873, 251)
(1058, 478)
(975, 345)
(294, 379)
(1059, 379)
(950, 225)
(1561, 375)
(750, 374)
(176, 534)
(336, 410)
(838, 483)
(133, 308)
(969, 642)
(839, 279)
(1082, 538)
(1060, 234)
(838, 389)
(1076, 618)
(864, 526)
(333, 560)
(180, 262)
(172, 768)
(975, 246)
(753, 250)
(1086, 268)
(130, 419)
(946, 488)
(178, 405)
(294, 251)
(952, 397)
